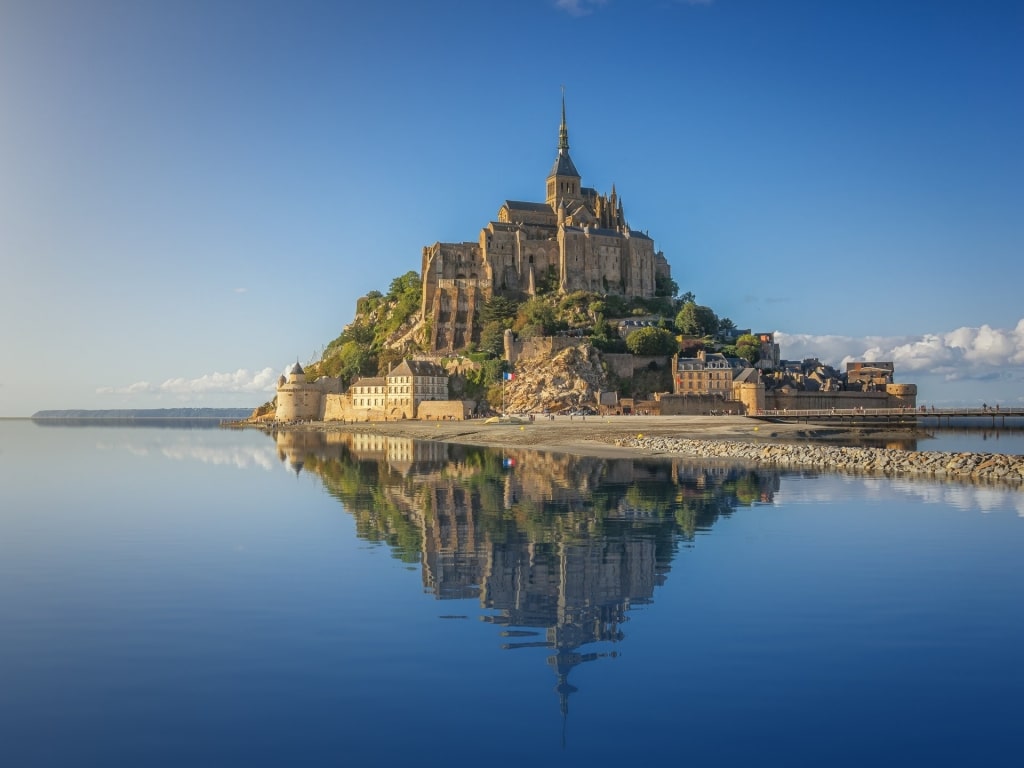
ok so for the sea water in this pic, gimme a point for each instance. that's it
(209, 597)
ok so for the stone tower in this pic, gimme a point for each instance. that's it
(564, 179)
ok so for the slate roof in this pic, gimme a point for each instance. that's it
(519, 205)
(564, 166)
(417, 368)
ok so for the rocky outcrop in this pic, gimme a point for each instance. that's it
(980, 467)
(566, 381)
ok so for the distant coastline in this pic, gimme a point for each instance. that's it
(145, 413)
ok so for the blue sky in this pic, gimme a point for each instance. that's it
(194, 194)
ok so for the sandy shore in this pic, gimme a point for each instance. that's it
(596, 435)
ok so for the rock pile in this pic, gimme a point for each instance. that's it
(984, 467)
(568, 380)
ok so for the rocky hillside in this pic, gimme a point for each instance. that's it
(569, 380)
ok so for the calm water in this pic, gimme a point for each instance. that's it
(211, 597)
(977, 440)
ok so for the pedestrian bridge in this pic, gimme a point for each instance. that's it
(905, 417)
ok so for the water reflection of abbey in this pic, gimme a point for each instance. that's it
(555, 547)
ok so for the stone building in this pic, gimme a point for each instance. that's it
(768, 358)
(300, 400)
(369, 392)
(411, 382)
(869, 376)
(710, 373)
(413, 389)
(577, 239)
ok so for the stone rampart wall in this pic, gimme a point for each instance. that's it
(804, 401)
(624, 364)
(340, 408)
(698, 405)
(542, 346)
(445, 410)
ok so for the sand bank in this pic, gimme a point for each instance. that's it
(597, 435)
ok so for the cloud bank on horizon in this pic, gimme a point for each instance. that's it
(977, 354)
(980, 354)
(241, 381)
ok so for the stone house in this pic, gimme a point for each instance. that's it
(412, 382)
(710, 373)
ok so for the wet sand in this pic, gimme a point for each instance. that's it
(597, 435)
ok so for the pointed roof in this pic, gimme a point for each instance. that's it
(563, 163)
(416, 368)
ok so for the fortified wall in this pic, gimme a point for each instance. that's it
(894, 396)
(751, 398)
(301, 400)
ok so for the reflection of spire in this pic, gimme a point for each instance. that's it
(563, 662)
(564, 689)
(561, 582)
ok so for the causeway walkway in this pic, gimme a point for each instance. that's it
(907, 417)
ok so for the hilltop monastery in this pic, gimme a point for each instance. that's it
(576, 240)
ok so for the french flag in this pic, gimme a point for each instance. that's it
(509, 376)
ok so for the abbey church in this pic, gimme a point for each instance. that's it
(576, 240)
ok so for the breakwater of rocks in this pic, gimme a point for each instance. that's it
(969, 467)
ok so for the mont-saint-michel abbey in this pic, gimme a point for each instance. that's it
(576, 240)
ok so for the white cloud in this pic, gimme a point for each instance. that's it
(241, 380)
(961, 496)
(578, 7)
(585, 7)
(963, 353)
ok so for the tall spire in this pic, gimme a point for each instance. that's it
(564, 180)
(563, 130)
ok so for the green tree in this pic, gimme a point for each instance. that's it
(350, 360)
(405, 295)
(749, 348)
(696, 320)
(665, 286)
(404, 284)
(386, 360)
(690, 347)
(547, 282)
(492, 338)
(651, 341)
(605, 337)
(537, 315)
(499, 309)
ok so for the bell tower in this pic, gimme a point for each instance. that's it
(564, 179)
